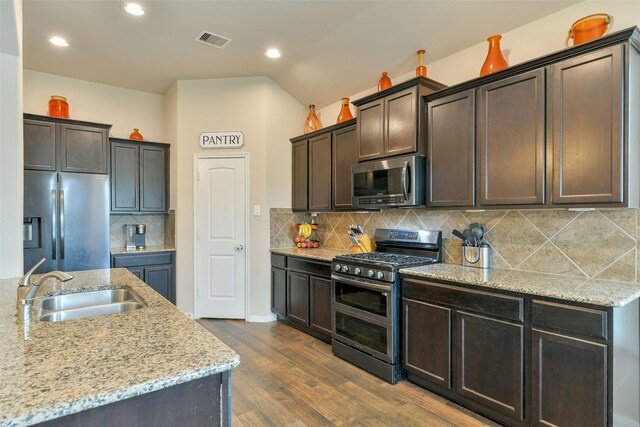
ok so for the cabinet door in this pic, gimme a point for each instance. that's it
(489, 363)
(370, 130)
(401, 122)
(298, 298)
(569, 381)
(345, 155)
(137, 271)
(427, 341)
(160, 278)
(320, 173)
(83, 149)
(124, 177)
(320, 305)
(587, 116)
(511, 140)
(300, 176)
(39, 145)
(279, 291)
(451, 150)
(153, 176)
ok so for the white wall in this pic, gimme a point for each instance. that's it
(125, 109)
(170, 119)
(537, 38)
(11, 138)
(268, 117)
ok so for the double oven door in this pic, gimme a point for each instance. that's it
(365, 316)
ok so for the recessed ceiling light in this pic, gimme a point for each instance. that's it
(58, 41)
(273, 53)
(134, 8)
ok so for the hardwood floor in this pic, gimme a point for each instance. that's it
(287, 378)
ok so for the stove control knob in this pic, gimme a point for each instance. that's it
(371, 273)
(345, 269)
(338, 268)
(380, 275)
(358, 271)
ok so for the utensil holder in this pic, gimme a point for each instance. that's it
(475, 256)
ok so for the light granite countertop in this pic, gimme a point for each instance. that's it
(163, 248)
(582, 290)
(319, 253)
(49, 370)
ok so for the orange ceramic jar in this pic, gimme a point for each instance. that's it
(58, 107)
(588, 28)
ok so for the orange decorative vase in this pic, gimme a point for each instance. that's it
(313, 122)
(345, 111)
(136, 135)
(384, 82)
(421, 71)
(588, 28)
(495, 61)
(58, 107)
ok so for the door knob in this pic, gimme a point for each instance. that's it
(239, 248)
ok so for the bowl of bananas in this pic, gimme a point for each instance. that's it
(306, 236)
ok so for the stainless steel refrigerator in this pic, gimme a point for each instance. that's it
(66, 220)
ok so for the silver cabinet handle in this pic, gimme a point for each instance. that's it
(54, 225)
(405, 178)
(239, 248)
(61, 224)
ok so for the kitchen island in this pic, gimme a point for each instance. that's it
(151, 366)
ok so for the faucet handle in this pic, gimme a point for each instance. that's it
(26, 279)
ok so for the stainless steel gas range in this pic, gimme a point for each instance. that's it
(366, 299)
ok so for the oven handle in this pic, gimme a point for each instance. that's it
(362, 284)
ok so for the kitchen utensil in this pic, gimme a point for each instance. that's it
(477, 231)
(467, 237)
(458, 234)
(356, 229)
(360, 230)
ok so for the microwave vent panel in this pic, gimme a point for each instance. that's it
(211, 39)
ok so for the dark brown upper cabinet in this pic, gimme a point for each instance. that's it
(322, 163)
(139, 176)
(587, 101)
(511, 140)
(300, 176)
(393, 121)
(63, 145)
(345, 155)
(320, 173)
(451, 150)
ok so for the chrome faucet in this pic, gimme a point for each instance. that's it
(27, 290)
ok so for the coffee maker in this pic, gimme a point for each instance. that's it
(134, 236)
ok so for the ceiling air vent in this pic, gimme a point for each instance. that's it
(215, 40)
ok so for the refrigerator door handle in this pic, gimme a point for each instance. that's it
(61, 224)
(54, 203)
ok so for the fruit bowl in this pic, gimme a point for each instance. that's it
(302, 242)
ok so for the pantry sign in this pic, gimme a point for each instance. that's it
(221, 139)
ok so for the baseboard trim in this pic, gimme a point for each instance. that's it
(262, 319)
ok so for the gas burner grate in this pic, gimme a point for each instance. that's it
(386, 258)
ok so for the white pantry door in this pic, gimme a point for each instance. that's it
(220, 258)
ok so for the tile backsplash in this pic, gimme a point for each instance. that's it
(599, 243)
(155, 229)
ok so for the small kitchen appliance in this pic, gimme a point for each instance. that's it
(366, 299)
(139, 237)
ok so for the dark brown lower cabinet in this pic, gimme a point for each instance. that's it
(156, 269)
(490, 363)
(301, 294)
(569, 380)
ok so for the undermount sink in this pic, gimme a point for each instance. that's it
(89, 304)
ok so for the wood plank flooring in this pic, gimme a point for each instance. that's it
(287, 378)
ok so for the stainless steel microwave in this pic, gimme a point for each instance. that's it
(398, 181)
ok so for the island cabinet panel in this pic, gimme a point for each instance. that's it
(401, 122)
(451, 150)
(39, 145)
(490, 363)
(511, 140)
(320, 173)
(427, 341)
(370, 130)
(569, 381)
(320, 304)
(345, 155)
(298, 298)
(300, 176)
(587, 98)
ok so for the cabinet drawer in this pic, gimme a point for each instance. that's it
(279, 261)
(139, 260)
(503, 306)
(311, 267)
(579, 320)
